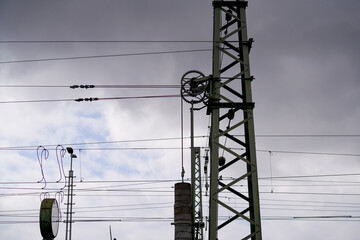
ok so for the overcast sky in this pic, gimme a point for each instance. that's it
(305, 60)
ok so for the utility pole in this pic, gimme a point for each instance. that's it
(70, 194)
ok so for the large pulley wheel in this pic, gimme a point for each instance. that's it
(193, 86)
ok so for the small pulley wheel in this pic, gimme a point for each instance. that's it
(193, 86)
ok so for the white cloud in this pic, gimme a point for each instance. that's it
(303, 84)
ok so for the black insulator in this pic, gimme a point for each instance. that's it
(70, 150)
(221, 161)
(87, 86)
(228, 16)
(231, 114)
(91, 99)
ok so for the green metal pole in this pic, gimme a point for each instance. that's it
(192, 170)
(214, 149)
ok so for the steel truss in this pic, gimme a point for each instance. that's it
(232, 128)
(197, 194)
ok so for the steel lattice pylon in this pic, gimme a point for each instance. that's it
(227, 94)
(232, 127)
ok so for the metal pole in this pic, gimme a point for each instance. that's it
(253, 187)
(196, 193)
(214, 149)
(192, 169)
(69, 203)
(71, 174)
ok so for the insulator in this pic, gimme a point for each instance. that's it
(228, 16)
(231, 114)
(221, 161)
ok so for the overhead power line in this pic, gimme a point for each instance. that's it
(306, 135)
(32, 147)
(38, 101)
(322, 218)
(127, 86)
(136, 86)
(158, 181)
(106, 41)
(88, 99)
(135, 206)
(312, 153)
(314, 176)
(158, 139)
(105, 56)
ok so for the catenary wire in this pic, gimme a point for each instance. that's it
(89, 99)
(277, 178)
(320, 218)
(339, 207)
(107, 41)
(31, 148)
(105, 56)
(125, 86)
(177, 148)
(167, 139)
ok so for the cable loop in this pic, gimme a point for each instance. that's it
(59, 196)
(61, 152)
(43, 155)
(81, 177)
(44, 195)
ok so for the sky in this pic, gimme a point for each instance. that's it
(305, 60)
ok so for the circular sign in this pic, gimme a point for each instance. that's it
(49, 218)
